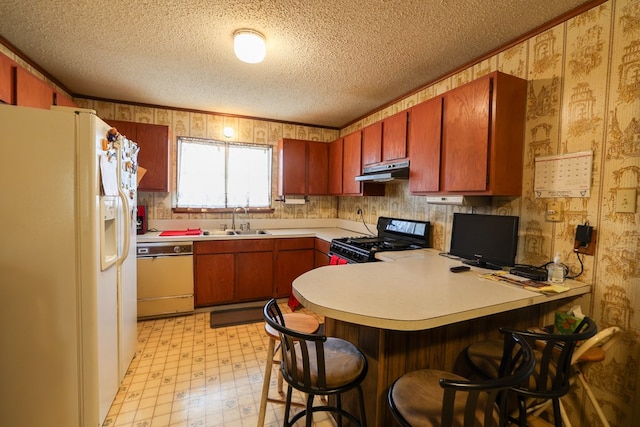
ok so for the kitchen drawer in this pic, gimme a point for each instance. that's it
(295, 243)
(233, 246)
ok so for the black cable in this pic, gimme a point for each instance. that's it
(581, 267)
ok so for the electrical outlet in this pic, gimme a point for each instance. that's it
(554, 212)
(626, 200)
(586, 248)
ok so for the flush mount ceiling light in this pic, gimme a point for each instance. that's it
(249, 46)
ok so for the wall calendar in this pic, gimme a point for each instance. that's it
(563, 175)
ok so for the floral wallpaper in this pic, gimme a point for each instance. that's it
(583, 95)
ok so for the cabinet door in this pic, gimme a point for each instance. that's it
(425, 124)
(63, 100)
(31, 91)
(372, 144)
(254, 276)
(352, 165)
(394, 137)
(321, 255)
(465, 137)
(7, 76)
(214, 279)
(153, 141)
(318, 168)
(293, 167)
(335, 167)
(128, 129)
(291, 264)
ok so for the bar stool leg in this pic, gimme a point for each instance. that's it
(265, 383)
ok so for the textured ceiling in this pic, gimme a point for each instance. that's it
(328, 62)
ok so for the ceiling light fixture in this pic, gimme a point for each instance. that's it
(249, 45)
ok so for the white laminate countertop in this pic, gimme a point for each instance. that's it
(324, 233)
(413, 290)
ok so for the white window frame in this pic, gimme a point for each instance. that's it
(223, 199)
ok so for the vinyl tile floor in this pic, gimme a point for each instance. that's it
(185, 374)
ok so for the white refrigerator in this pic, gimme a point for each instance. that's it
(67, 266)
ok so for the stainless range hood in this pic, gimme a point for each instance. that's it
(385, 173)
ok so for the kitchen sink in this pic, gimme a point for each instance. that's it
(248, 232)
(235, 232)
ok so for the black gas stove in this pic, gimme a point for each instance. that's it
(394, 234)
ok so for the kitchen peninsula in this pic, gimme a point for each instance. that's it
(412, 313)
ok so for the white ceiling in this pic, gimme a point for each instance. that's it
(328, 62)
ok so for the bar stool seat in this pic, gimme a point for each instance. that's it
(299, 322)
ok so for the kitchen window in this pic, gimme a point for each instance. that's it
(215, 174)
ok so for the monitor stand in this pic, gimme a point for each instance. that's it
(481, 264)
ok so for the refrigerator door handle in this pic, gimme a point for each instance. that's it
(125, 212)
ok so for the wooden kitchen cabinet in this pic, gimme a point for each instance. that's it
(424, 141)
(352, 164)
(294, 256)
(335, 167)
(394, 137)
(372, 144)
(31, 91)
(214, 279)
(7, 77)
(304, 167)
(153, 141)
(352, 167)
(321, 254)
(483, 136)
(63, 100)
(229, 271)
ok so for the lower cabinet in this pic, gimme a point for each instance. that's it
(321, 255)
(293, 257)
(231, 271)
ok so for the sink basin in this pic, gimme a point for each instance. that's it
(235, 232)
(220, 233)
(248, 232)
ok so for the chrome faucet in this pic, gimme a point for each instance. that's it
(233, 216)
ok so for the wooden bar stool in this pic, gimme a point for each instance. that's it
(296, 321)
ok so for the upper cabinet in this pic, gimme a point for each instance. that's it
(394, 137)
(31, 91)
(63, 100)
(153, 141)
(352, 167)
(304, 167)
(372, 144)
(351, 163)
(385, 140)
(7, 74)
(482, 138)
(335, 167)
(424, 141)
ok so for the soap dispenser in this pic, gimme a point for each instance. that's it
(556, 271)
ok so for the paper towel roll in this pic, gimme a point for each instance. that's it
(294, 201)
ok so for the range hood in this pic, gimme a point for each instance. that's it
(385, 173)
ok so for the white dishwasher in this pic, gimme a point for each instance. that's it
(165, 279)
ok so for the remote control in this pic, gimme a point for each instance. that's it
(460, 269)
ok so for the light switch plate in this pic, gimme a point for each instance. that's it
(554, 212)
(626, 200)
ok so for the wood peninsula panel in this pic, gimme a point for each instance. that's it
(390, 354)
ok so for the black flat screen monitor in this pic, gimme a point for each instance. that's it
(487, 241)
